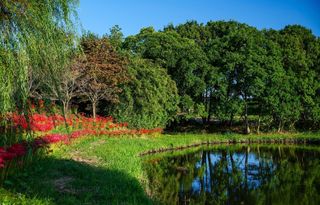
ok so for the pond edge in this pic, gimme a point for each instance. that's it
(233, 142)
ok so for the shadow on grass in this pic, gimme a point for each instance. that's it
(70, 182)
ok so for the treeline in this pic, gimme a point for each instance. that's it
(101, 78)
(228, 72)
(223, 71)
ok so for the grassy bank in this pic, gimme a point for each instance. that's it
(101, 170)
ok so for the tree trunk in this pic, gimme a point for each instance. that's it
(204, 120)
(258, 128)
(291, 126)
(279, 127)
(231, 120)
(208, 119)
(246, 118)
(65, 108)
(94, 104)
(208, 107)
(208, 102)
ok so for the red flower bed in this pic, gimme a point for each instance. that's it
(81, 126)
(44, 123)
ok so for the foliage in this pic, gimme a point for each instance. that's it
(228, 69)
(35, 36)
(221, 70)
(182, 57)
(102, 71)
(116, 37)
(149, 99)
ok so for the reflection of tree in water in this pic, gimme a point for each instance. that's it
(247, 175)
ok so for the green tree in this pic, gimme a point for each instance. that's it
(34, 35)
(299, 53)
(116, 37)
(236, 50)
(296, 89)
(184, 60)
(150, 98)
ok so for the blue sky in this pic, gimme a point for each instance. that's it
(99, 16)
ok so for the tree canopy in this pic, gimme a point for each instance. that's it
(150, 98)
(222, 70)
(228, 69)
(102, 71)
(34, 36)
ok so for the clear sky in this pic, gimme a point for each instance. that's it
(99, 16)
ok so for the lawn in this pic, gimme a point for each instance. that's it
(102, 170)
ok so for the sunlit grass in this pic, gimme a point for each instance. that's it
(102, 170)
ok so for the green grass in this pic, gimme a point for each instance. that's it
(101, 170)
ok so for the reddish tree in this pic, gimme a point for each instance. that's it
(102, 71)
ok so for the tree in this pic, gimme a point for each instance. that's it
(299, 55)
(63, 90)
(149, 99)
(102, 71)
(247, 60)
(184, 60)
(298, 84)
(230, 69)
(32, 37)
(192, 30)
(61, 85)
(237, 51)
(116, 37)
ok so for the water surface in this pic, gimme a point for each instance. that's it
(236, 175)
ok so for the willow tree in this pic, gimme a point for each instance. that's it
(35, 36)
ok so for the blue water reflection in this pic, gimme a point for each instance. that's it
(237, 175)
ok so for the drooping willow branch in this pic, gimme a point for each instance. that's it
(36, 36)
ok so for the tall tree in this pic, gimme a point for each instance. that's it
(116, 37)
(32, 37)
(299, 53)
(150, 99)
(237, 51)
(184, 60)
(102, 71)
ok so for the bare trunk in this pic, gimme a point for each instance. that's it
(246, 119)
(279, 127)
(231, 120)
(94, 104)
(206, 101)
(65, 108)
(291, 126)
(204, 120)
(258, 128)
(208, 109)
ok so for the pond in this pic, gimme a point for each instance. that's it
(236, 174)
